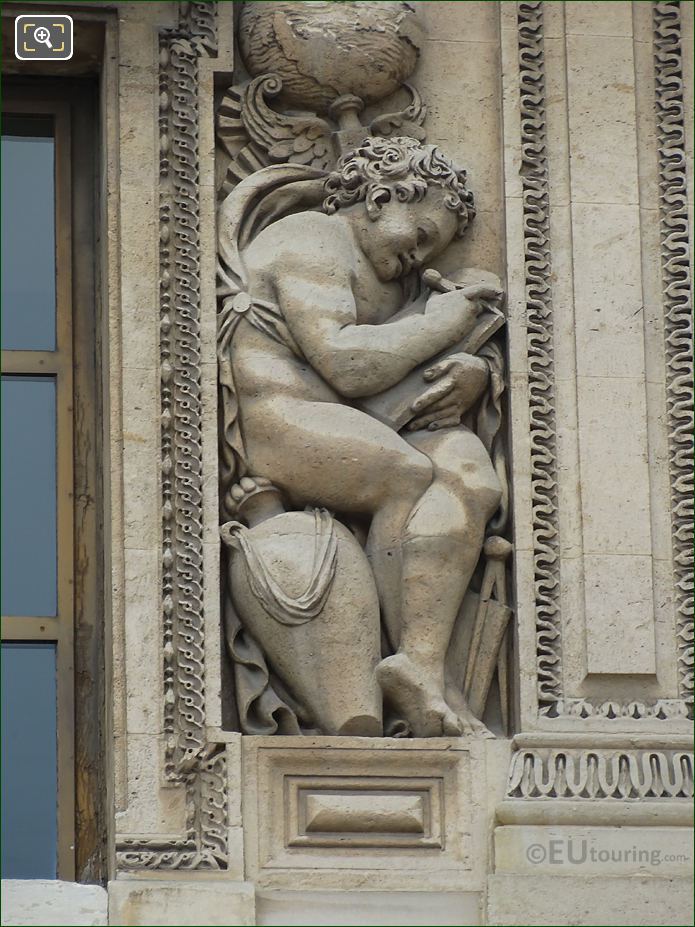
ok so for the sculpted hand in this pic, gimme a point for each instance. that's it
(459, 308)
(458, 382)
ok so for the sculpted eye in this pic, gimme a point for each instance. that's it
(422, 236)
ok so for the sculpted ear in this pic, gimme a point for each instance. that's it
(375, 199)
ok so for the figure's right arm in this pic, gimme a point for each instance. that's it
(317, 300)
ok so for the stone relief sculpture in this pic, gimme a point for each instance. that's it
(363, 483)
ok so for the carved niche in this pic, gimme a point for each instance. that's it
(363, 503)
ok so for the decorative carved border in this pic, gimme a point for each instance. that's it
(182, 549)
(600, 774)
(539, 320)
(189, 758)
(678, 334)
(204, 845)
(661, 709)
(678, 329)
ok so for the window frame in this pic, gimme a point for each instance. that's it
(78, 627)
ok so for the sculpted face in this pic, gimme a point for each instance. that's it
(405, 236)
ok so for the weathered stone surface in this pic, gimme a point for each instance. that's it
(570, 120)
(516, 900)
(48, 903)
(378, 908)
(321, 53)
(357, 382)
(169, 904)
(600, 851)
(356, 814)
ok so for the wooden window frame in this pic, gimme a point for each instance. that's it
(78, 627)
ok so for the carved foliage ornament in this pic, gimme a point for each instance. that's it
(255, 135)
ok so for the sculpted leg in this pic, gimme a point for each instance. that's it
(441, 546)
(322, 453)
(430, 499)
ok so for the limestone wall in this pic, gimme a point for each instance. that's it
(572, 121)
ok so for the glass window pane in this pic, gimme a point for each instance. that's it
(28, 233)
(29, 761)
(29, 571)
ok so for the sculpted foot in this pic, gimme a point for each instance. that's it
(255, 499)
(416, 694)
(247, 487)
(469, 723)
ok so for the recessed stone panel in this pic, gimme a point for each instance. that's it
(343, 812)
(354, 811)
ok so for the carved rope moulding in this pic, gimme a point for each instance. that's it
(539, 320)
(200, 766)
(678, 331)
(190, 760)
(182, 553)
(675, 270)
(204, 845)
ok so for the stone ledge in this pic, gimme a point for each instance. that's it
(645, 813)
(381, 909)
(560, 901)
(50, 903)
(160, 903)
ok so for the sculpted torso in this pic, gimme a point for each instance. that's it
(310, 265)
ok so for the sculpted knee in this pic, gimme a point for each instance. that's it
(409, 475)
(483, 490)
(463, 464)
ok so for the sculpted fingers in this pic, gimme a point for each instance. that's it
(442, 417)
(483, 291)
(436, 370)
(433, 394)
(440, 405)
(450, 422)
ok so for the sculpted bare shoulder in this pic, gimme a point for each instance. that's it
(308, 245)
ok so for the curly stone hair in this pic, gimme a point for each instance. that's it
(382, 168)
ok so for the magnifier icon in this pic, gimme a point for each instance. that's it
(42, 35)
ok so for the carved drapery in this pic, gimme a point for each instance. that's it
(189, 759)
(259, 136)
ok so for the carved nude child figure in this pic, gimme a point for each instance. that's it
(328, 325)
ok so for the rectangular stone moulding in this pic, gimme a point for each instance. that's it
(354, 811)
(390, 808)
